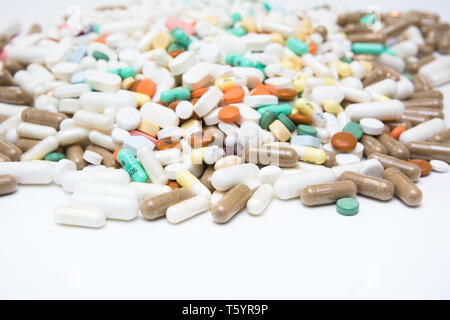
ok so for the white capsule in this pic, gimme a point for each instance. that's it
(103, 140)
(93, 120)
(169, 156)
(187, 209)
(34, 131)
(394, 62)
(269, 174)
(382, 110)
(71, 178)
(152, 165)
(82, 217)
(30, 172)
(72, 135)
(103, 81)
(387, 87)
(226, 178)
(41, 149)
(423, 131)
(318, 67)
(149, 190)
(405, 89)
(61, 167)
(260, 199)
(160, 115)
(182, 63)
(99, 101)
(356, 95)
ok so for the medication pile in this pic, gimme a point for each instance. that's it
(172, 108)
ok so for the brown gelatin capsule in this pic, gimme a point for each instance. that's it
(286, 94)
(15, 95)
(432, 103)
(108, 158)
(413, 67)
(414, 119)
(388, 71)
(75, 154)
(26, 144)
(233, 201)
(428, 94)
(443, 136)
(344, 141)
(355, 28)
(394, 147)
(8, 184)
(372, 145)
(330, 159)
(300, 119)
(10, 150)
(408, 168)
(405, 123)
(326, 193)
(167, 143)
(206, 178)
(374, 76)
(444, 43)
(5, 78)
(322, 30)
(429, 150)
(44, 118)
(425, 166)
(405, 189)
(12, 66)
(284, 157)
(349, 17)
(373, 37)
(424, 50)
(425, 112)
(4, 158)
(371, 187)
(395, 28)
(156, 207)
(420, 84)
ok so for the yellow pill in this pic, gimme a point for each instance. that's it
(162, 40)
(332, 106)
(344, 70)
(225, 83)
(197, 155)
(328, 82)
(293, 63)
(305, 107)
(127, 83)
(299, 83)
(314, 155)
(141, 98)
(148, 127)
(382, 97)
(280, 131)
(277, 38)
(249, 24)
(191, 123)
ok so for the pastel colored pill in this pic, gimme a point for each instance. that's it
(347, 206)
(267, 118)
(234, 95)
(343, 141)
(168, 96)
(304, 129)
(297, 46)
(367, 48)
(128, 161)
(285, 94)
(229, 114)
(354, 128)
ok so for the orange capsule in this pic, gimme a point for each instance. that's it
(397, 131)
(102, 39)
(115, 154)
(425, 166)
(193, 101)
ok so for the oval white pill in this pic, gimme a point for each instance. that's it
(372, 126)
(439, 166)
(92, 157)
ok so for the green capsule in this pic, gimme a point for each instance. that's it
(236, 17)
(239, 61)
(266, 6)
(181, 37)
(100, 55)
(267, 118)
(167, 96)
(239, 32)
(286, 121)
(55, 156)
(368, 19)
(129, 162)
(277, 108)
(297, 46)
(124, 72)
(367, 48)
(388, 51)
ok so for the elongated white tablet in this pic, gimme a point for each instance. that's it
(260, 199)
(208, 101)
(103, 81)
(99, 101)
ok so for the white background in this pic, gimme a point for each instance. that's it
(386, 251)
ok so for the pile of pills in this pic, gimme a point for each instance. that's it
(176, 108)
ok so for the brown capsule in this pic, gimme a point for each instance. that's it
(286, 94)
(206, 178)
(231, 203)
(413, 67)
(326, 193)
(330, 159)
(3, 117)
(386, 129)
(300, 119)
(424, 50)
(405, 123)
(405, 189)
(389, 72)
(108, 157)
(35, 28)
(355, 28)
(44, 118)
(157, 206)
(429, 150)
(75, 153)
(372, 37)
(432, 103)
(369, 186)
(372, 145)
(12, 66)
(349, 17)
(424, 112)
(395, 28)
(8, 184)
(442, 137)
(322, 31)
(4, 158)
(420, 84)
(365, 57)
(6, 78)
(408, 168)
(444, 42)
(283, 157)
(15, 95)
(428, 94)
(374, 76)
(173, 185)
(26, 144)
(10, 150)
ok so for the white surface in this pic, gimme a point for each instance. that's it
(386, 251)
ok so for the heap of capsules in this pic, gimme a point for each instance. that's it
(173, 109)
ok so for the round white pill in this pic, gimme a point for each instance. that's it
(119, 135)
(371, 126)
(128, 118)
(92, 157)
(184, 110)
(439, 166)
(346, 158)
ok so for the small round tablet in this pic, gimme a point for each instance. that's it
(371, 126)
(184, 110)
(439, 166)
(92, 157)
(119, 135)
(346, 158)
(347, 206)
(128, 118)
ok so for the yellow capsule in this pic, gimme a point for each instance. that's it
(299, 83)
(249, 24)
(382, 97)
(148, 127)
(127, 83)
(332, 106)
(197, 155)
(162, 40)
(328, 82)
(187, 180)
(277, 38)
(293, 63)
(305, 107)
(225, 83)
(314, 155)
(141, 98)
(344, 70)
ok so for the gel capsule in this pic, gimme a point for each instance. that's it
(372, 145)
(405, 189)
(10, 150)
(187, 180)
(284, 157)
(429, 150)
(82, 217)
(8, 184)
(232, 202)
(129, 162)
(152, 165)
(186, 209)
(15, 95)
(394, 147)
(75, 154)
(319, 194)
(368, 186)
(408, 168)
(443, 136)
(157, 206)
(44, 118)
